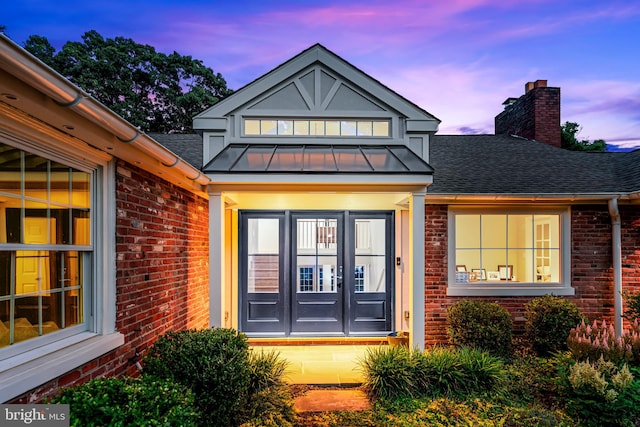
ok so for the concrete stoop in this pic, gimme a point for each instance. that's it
(346, 399)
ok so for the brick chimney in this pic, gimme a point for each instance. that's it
(535, 115)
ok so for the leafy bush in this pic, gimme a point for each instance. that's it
(446, 372)
(633, 305)
(270, 402)
(214, 363)
(601, 394)
(397, 372)
(590, 342)
(389, 372)
(548, 322)
(129, 402)
(479, 324)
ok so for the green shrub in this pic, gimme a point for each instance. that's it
(214, 363)
(479, 324)
(548, 322)
(269, 402)
(590, 342)
(389, 372)
(397, 372)
(129, 402)
(632, 301)
(600, 394)
(446, 372)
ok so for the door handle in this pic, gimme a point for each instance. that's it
(339, 278)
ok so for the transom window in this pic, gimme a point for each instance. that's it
(45, 245)
(513, 251)
(317, 127)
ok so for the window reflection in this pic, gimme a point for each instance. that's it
(44, 204)
(505, 247)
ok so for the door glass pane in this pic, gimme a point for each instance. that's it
(263, 247)
(316, 255)
(370, 257)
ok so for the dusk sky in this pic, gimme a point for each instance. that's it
(457, 59)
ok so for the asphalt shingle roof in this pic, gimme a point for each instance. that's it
(186, 145)
(496, 164)
(503, 164)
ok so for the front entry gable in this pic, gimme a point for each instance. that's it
(317, 92)
(320, 87)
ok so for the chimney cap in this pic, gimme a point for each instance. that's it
(534, 85)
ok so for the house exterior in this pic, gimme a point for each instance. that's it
(104, 236)
(312, 161)
(313, 204)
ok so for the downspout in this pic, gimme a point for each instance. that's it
(616, 249)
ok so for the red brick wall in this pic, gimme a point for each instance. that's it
(162, 270)
(591, 263)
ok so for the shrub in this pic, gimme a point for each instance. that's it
(590, 342)
(601, 394)
(548, 322)
(389, 372)
(269, 402)
(479, 324)
(445, 372)
(397, 372)
(129, 402)
(214, 363)
(633, 305)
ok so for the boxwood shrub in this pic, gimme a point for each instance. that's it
(482, 325)
(213, 363)
(549, 319)
(129, 402)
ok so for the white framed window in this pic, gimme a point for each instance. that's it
(509, 251)
(57, 260)
(302, 127)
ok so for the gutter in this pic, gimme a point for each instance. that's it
(616, 249)
(35, 73)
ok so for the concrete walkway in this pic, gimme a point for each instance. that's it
(324, 400)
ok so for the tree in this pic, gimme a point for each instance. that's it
(570, 141)
(153, 91)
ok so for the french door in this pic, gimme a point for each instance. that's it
(316, 272)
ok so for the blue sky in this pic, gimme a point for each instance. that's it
(458, 59)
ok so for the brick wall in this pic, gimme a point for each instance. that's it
(535, 115)
(162, 250)
(591, 263)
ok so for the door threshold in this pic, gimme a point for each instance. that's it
(257, 341)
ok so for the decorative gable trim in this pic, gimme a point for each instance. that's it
(323, 81)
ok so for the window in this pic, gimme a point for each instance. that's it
(57, 292)
(45, 245)
(515, 252)
(315, 127)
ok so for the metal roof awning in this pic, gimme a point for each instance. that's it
(317, 159)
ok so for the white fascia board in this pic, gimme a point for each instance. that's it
(321, 179)
(210, 123)
(421, 126)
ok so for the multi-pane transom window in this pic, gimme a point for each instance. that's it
(317, 127)
(507, 248)
(45, 245)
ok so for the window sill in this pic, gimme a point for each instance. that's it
(29, 370)
(508, 291)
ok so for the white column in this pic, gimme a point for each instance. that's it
(416, 294)
(216, 259)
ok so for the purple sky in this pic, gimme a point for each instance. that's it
(458, 59)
